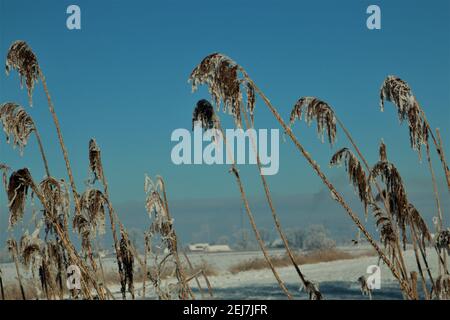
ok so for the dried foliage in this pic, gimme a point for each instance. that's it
(30, 247)
(204, 115)
(221, 74)
(385, 228)
(356, 174)
(4, 169)
(251, 101)
(402, 211)
(416, 220)
(442, 240)
(21, 58)
(58, 202)
(82, 225)
(162, 227)
(52, 269)
(442, 287)
(19, 183)
(312, 289)
(382, 152)
(314, 109)
(398, 92)
(127, 258)
(395, 193)
(16, 123)
(155, 206)
(91, 219)
(95, 160)
(93, 204)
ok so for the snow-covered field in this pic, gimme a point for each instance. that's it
(337, 279)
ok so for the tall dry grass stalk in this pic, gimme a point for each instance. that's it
(248, 112)
(20, 183)
(210, 72)
(21, 58)
(315, 109)
(191, 270)
(19, 124)
(326, 121)
(90, 220)
(205, 116)
(356, 174)
(4, 170)
(145, 273)
(400, 94)
(96, 168)
(127, 258)
(12, 247)
(2, 289)
(314, 294)
(157, 206)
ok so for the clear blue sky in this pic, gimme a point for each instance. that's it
(123, 80)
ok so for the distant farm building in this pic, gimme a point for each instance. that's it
(218, 248)
(206, 247)
(198, 247)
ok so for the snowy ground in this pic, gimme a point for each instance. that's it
(337, 279)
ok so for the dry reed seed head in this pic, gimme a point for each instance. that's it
(204, 115)
(30, 248)
(57, 196)
(382, 151)
(58, 261)
(155, 206)
(395, 192)
(150, 185)
(93, 204)
(356, 174)
(398, 92)
(442, 287)
(127, 258)
(315, 109)
(19, 183)
(95, 160)
(251, 101)
(154, 202)
(12, 245)
(384, 226)
(161, 224)
(415, 219)
(49, 271)
(221, 75)
(442, 240)
(56, 254)
(21, 58)
(16, 123)
(4, 169)
(83, 227)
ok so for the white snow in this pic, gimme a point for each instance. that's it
(337, 279)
